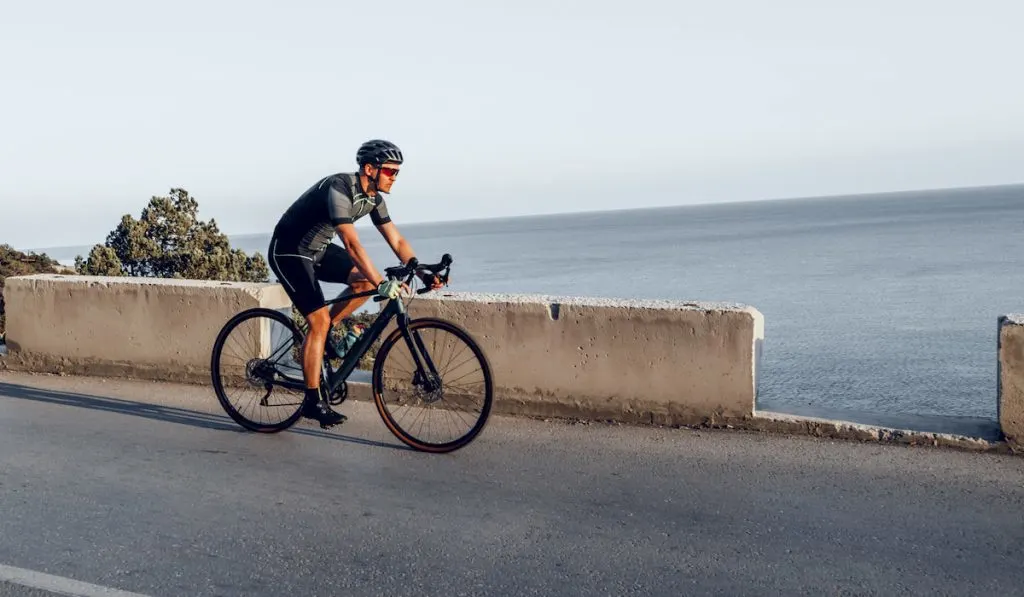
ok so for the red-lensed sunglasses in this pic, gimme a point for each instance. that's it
(392, 172)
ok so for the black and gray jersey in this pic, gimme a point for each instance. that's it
(308, 226)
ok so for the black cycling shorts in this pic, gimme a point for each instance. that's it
(300, 275)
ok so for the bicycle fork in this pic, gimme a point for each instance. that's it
(426, 375)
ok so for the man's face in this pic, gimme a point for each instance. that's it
(388, 173)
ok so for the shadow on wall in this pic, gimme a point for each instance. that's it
(758, 349)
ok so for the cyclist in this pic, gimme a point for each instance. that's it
(302, 255)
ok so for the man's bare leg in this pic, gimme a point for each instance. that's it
(314, 405)
(313, 347)
(357, 283)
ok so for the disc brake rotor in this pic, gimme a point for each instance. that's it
(428, 389)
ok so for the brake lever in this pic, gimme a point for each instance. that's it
(443, 277)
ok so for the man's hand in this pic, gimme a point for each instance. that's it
(431, 280)
(391, 288)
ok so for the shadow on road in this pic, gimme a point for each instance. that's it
(167, 414)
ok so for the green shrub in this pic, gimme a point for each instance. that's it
(170, 241)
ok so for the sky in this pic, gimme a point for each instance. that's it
(501, 108)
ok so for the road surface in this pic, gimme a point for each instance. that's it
(150, 489)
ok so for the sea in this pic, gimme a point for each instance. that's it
(879, 309)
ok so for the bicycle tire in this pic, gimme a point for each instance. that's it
(419, 325)
(218, 381)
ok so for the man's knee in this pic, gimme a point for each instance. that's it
(319, 321)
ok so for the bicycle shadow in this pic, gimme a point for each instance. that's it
(166, 414)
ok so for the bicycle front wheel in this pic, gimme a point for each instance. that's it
(253, 354)
(432, 387)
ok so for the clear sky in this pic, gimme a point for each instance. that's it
(502, 108)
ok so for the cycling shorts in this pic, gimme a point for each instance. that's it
(300, 275)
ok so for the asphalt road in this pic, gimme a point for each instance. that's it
(152, 489)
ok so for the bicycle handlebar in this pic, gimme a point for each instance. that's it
(413, 267)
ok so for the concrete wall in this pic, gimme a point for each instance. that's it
(131, 327)
(643, 361)
(1011, 378)
(638, 361)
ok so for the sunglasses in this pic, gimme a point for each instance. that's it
(392, 172)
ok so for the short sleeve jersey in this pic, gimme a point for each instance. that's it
(308, 226)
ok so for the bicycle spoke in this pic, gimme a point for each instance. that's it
(460, 378)
(454, 355)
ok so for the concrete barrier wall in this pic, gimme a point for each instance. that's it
(1010, 394)
(641, 361)
(123, 327)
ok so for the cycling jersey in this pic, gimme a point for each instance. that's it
(301, 253)
(308, 226)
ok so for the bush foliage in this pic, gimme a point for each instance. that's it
(170, 241)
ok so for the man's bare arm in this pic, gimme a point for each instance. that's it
(350, 238)
(404, 251)
(401, 247)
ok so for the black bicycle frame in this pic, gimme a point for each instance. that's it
(394, 310)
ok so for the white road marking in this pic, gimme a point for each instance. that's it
(58, 584)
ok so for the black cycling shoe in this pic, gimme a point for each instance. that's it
(322, 412)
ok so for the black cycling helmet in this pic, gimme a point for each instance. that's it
(378, 151)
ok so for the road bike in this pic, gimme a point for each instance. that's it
(411, 383)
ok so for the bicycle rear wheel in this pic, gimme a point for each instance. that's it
(254, 352)
(438, 397)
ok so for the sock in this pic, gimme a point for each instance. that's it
(312, 395)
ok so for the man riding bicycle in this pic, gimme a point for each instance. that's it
(302, 255)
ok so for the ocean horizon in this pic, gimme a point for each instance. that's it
(66, 254)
